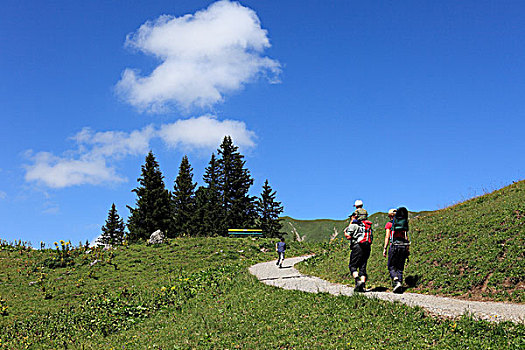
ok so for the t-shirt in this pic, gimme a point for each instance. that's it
(388, 225)
(356, 232)
(281, 247)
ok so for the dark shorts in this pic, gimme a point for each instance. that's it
(359, 258)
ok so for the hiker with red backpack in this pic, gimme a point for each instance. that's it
(397, 240)
(359, 232)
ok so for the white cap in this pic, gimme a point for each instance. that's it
(358, 202)
(392, 211)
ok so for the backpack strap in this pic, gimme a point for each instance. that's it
(392, 231)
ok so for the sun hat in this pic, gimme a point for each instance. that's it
(358, 203)
(392, 211)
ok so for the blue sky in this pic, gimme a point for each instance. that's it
(396, 103)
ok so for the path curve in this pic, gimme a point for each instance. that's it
(289, 278)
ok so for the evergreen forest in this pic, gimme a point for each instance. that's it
(188, 210)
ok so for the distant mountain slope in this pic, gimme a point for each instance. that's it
(313, 230)
(319, 230)
(475, 249)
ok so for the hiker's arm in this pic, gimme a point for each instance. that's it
(347, 235)
(387, 238)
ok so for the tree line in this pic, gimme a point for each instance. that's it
(209, 210)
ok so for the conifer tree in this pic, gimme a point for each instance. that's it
(113, 230)
(152, 210)
(234, 184)
(209, 212)
(269, 210)
(201, 214)
(183, 201)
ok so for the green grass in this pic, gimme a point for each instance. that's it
(474, 249)
(196, 293)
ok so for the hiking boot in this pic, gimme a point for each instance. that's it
(398, 287)
(395, 280)
(359, 287)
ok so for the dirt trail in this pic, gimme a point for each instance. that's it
(289, 278)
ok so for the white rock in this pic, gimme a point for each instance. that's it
(157, 237)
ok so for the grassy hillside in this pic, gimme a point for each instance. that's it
(474, 249)
(320, 230)
(196, 293)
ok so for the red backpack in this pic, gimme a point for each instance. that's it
(368, 237)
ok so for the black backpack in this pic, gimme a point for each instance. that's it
(400, 222)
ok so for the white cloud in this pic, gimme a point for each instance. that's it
(93, 160)
(51, 208)
(58, 172)
(3, 195)
(205, 132)
(203, 56)
(89, 163)
(115, 143)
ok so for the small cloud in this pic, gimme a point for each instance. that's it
(58, 172)
(51, 208)
(90, 162)
(115, 144)
(205, 132)
(203, 56)
(3, 195)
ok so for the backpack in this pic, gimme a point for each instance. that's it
(367, 234)
(400, 222)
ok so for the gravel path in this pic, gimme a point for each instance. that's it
(289, 278)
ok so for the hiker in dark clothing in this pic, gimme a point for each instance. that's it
(396, 238)
(280, 248)
(360, 240)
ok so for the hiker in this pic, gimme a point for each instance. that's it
(396, 238)
(362, 214)
(280, 248)
(360, 235)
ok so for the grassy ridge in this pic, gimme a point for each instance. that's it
(473, 249)
(320, 230)
(313, 230)
(196, 293)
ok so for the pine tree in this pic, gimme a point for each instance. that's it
(113, 230)
(183, 201)
(269, 210)
(209, 212)
(201, 213)
(234, 184)
(152, 210)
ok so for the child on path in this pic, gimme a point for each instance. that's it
(398, 243)
(280, 248)
(360, 241)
